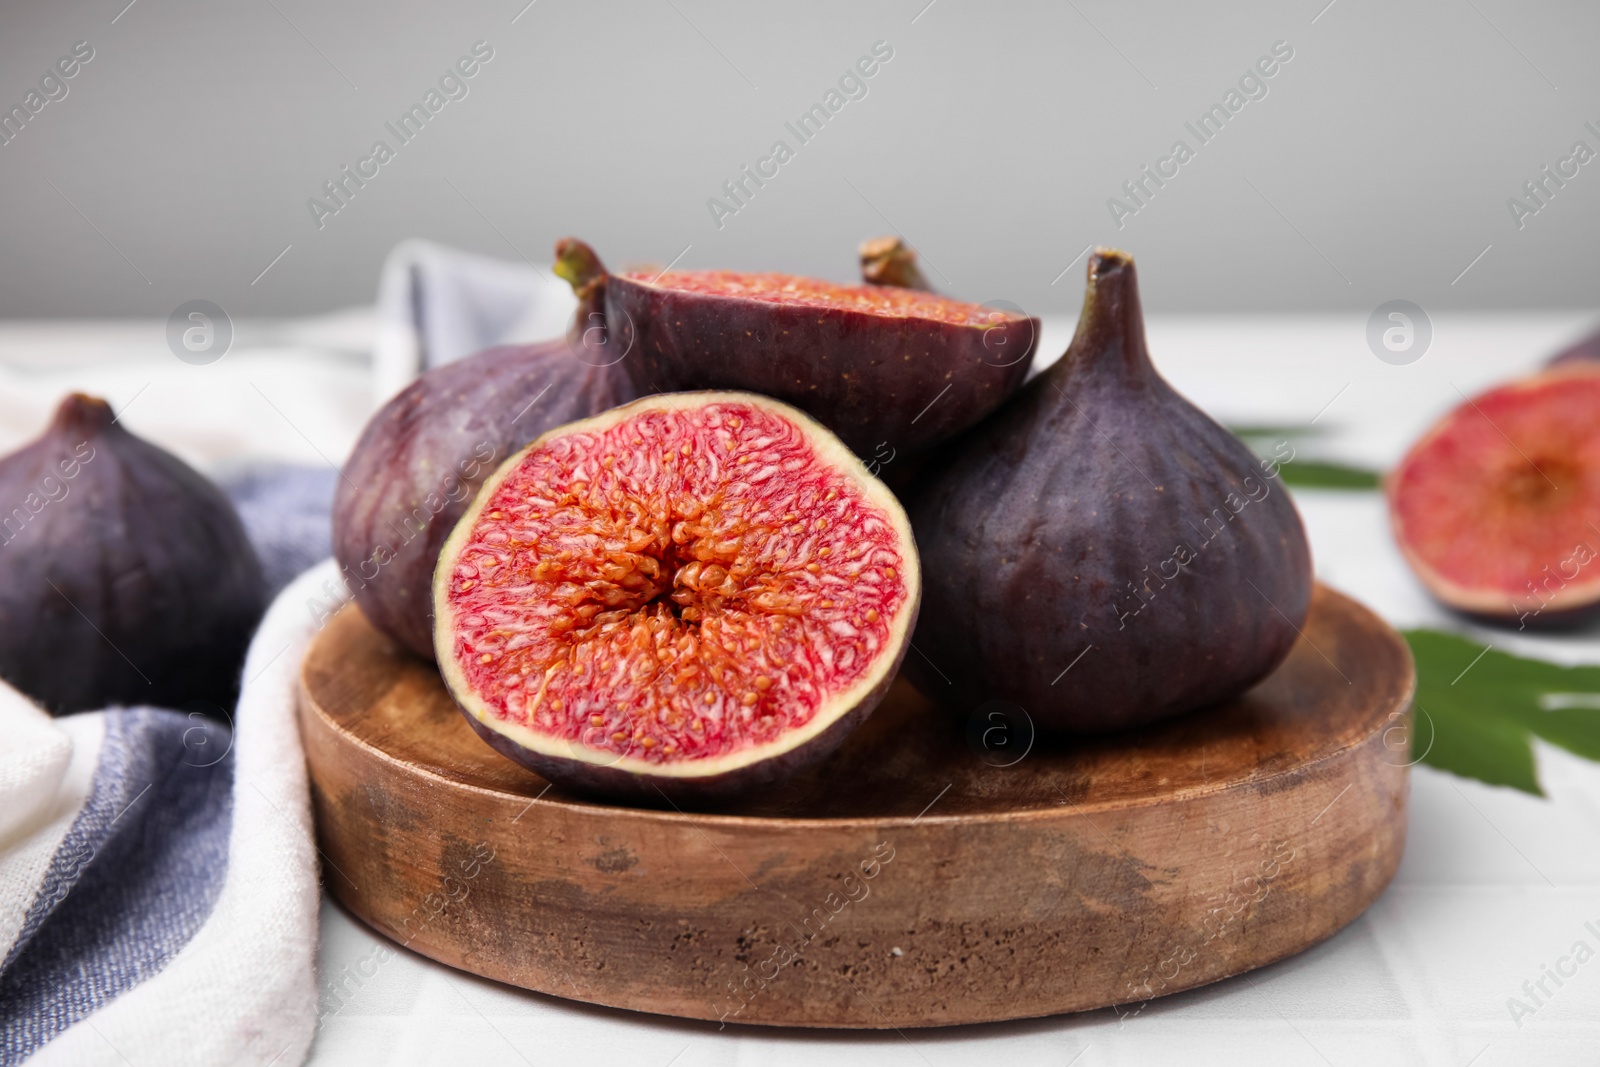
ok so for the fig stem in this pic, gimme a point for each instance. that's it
(1110, 333)
(889, 261)
(83, 413)
(579, 266)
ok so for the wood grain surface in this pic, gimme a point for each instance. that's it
(934, 871)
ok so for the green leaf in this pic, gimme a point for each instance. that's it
(1478, 709)
(1473, 746)
(1577, 730)
(1267, 431)
(1306, 473)
(1315, 474)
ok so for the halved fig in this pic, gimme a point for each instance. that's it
(1496, 507)
(690, 595)
(882, 366)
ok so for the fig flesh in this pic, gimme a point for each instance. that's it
(1099, 551)
(688, 596)
(125, 576)
(1494, 507)
(424, 454)
(876, 364)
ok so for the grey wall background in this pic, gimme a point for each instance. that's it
(1378, 165)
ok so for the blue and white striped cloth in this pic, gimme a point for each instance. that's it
(158, 878)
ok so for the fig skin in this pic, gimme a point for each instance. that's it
(649, 790)
(423, 455)
(890, 261)
(1582, 352)
(1100, 508)
(874, 380)
(592, 771)
(133, 583)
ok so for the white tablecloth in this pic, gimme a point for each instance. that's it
(1495, 885)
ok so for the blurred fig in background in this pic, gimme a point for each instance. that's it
(125, 576)
(1584, 351)
(1495, 508)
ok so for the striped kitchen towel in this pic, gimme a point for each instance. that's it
(158, 876)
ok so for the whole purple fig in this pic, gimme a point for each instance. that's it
(1099, 551)
(125, 576)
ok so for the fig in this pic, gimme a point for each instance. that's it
(689, 596)
(1494, 508)
(1099, 551)
(423, 455)
(881, 366)
(125, 576)
(1584, 351)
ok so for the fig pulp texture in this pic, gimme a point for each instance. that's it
(689, 596)
(423, 455)
(1099, 551)
(885, 368)
(125, 576)
(1495, 506)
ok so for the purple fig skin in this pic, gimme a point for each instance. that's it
(1585, 350)
(901, 383)
(1100, 551)
(423, 456)
(890, 261)
(125, 576)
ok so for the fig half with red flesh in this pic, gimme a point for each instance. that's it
(876, 364)
(1497, 508)
(690, 595)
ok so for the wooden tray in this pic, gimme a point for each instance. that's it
(913, 879)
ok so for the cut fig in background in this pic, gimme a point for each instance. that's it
(1099, 551)
(690, 596)
(891, 370)
(1496, 508)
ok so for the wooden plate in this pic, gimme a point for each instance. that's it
(914, 879)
